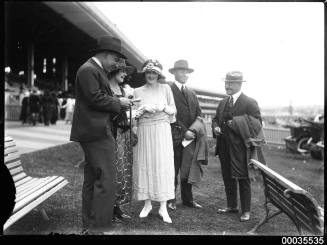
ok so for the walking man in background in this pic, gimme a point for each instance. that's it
(230, 146)
(188, 109)
(92, 128)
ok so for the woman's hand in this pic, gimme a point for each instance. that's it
(147, 108)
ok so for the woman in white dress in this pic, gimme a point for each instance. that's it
(153, 169)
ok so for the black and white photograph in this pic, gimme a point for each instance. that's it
(199, 118)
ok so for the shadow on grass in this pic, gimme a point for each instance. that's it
(64, 207)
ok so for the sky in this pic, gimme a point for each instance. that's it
(279, 47)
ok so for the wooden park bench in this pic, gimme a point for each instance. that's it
(30, 191)
(290, 199)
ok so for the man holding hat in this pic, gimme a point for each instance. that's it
(92, 128)
(188, 109)
(230, 146)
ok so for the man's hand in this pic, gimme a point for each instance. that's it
(189, 135)
(217, 130)
(125, 103)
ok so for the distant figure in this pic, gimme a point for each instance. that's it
(62, 102)
(25, 111)
(69, 106)
(34, 106)
(46, 107)
(54, 108)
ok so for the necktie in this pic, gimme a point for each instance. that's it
(231, 101)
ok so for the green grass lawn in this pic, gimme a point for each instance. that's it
(64, 207)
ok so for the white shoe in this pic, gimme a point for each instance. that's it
(145, 211)
(165, 216)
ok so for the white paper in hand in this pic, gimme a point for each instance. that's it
(186, 142)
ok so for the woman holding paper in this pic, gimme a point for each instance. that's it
(153, 169)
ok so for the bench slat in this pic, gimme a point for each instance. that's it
(37, 193)
(273, 174)
(8, 138)
(14, 164)
(34, 187)
(9, 150)
(33, 204)
(293, 201)
(9, 144)
(12, 157)
(16, 171)
(285, 205)
(22, 181)
(28, 185)
(304, 213)
(19, 176)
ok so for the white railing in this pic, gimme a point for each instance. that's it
(276, 135)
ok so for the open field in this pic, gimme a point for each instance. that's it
(64, 208)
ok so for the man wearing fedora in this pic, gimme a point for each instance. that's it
(234, 166)
(92, 128)
(188, 109)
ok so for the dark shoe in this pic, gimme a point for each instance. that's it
(123, 216)
(85, 232)
(192, 204)
(119, 213)
(115, 219)
(171, 205)
(245, 217)
(227, 210)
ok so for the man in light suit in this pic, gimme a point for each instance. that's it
(188, 109)
(234, 166)
(92, 128)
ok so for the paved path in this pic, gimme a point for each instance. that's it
(31, 138)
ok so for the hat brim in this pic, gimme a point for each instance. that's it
(109, 50)
(171, 70)
(231, 81)
(160, 76)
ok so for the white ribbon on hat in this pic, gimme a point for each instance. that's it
(151, 67)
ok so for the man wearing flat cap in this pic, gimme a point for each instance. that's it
(92, 127)
(235, 110)
(188, 109)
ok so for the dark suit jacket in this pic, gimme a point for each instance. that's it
(94, 104)
(243, 106)
(187, 109)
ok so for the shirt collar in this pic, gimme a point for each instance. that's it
(235, 96)
(179, 85)
(97, 61)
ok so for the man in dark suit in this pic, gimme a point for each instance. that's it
(234, 166)
(92, 128)
(188, 109)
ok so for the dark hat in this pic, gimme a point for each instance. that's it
(234, 76)
(181, 64)
(121, 65)
(109, 43)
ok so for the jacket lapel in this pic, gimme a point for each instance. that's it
(221, 109)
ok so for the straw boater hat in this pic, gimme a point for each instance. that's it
(109, 43)
(153, 65)
(234, 76)
(181, 65)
